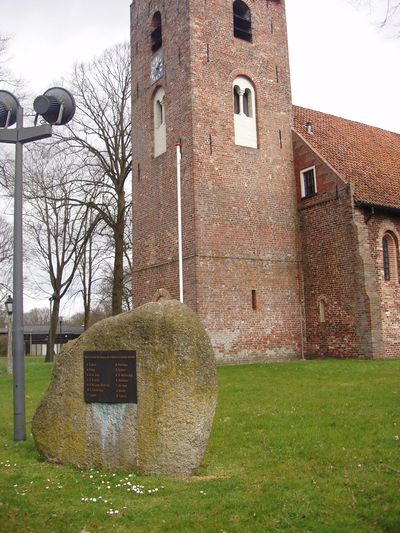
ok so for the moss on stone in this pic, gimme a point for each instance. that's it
(167, 431)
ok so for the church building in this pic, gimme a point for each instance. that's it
(290, 217)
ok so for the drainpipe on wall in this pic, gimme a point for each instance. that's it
(178, 187)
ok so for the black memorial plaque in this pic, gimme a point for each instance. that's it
(110, 376)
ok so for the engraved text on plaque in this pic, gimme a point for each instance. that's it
(110, 376)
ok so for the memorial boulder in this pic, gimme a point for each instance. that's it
(135, 392)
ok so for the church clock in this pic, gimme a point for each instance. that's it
(156, 68)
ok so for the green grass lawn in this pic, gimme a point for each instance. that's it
(305, 446)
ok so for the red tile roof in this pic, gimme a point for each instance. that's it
(367, 157)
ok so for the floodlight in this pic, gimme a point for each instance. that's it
(8, 109)
(57, 106)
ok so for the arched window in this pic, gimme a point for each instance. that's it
(386, 262)
(160, 131)
(156, 32)
(390, 256)
(244, 112)
(241, 21)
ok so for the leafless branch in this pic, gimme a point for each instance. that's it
(100, 138)
(59, 230)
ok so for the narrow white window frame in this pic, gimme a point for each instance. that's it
(303, 182)
(244, 116)
(160, 129)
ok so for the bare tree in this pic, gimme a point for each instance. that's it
(58, 230)
(96, 314)
(385, 13)
(103, 296)
(6, 255)
(392, 13)
(90, 268)
(6, 77)
(100, 135)
(3, 49)
(38, 316)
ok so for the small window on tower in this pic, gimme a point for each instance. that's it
(254, 305)
(308, 182)
(156, 32)
(241, 21)
(322, 311)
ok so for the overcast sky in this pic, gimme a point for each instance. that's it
(340, 62)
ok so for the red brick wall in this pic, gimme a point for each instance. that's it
(378, 223)
(328, 247)
(154, 194)
(343, 264)
(239, 206)
(337, 267)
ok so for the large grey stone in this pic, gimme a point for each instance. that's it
(167, 431)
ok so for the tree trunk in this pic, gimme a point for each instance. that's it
(87, 280)
(52, 331)
(86, 315)
(118, 278)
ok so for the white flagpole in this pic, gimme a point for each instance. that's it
(178, 183)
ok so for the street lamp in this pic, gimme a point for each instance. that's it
(56, 106)
(9, 305)
(9, 308)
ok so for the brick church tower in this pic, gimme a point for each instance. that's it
(213, 75)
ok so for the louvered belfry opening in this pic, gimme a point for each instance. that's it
(156, 34)
(241, 21)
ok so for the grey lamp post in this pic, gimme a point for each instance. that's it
(9, 308)
(56, 106)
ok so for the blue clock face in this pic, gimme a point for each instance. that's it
(156, 68)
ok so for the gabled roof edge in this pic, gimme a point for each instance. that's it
(319, 155)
